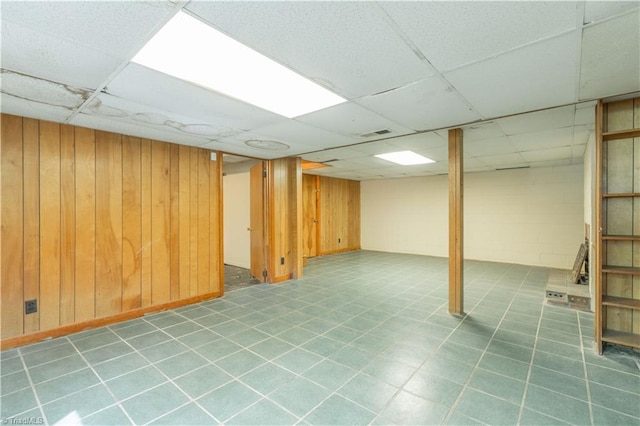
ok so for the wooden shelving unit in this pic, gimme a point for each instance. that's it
(617, 284)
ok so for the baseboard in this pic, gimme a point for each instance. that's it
(26, 339)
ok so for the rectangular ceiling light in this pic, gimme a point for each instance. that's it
(191, 50)
(405, 158)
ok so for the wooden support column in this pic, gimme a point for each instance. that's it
(456, 224)
(295, 205)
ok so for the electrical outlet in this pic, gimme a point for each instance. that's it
(31, 306)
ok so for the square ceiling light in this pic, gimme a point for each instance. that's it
(405, 158)
(189, 49)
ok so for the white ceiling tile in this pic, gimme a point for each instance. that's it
(332, 154)
(534, 121)
(481, 131)
(553, 163)
(43, 91)
(451, 34)
(160, 91)
(611, 57)
(377, 147)
(419, 141)
(488, 147)
(502, 160)
(41, 55)
(537, 76)
(25, 108)
(585, 116)
(301, 137)
(116, 28)
(350, 119)
(547, 154)
(598, 10)
(123, 110)
(112, 124)
(581, 134)
(425, 105)
(545, 139)
(346, 46)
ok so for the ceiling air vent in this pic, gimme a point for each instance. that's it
(376, 133)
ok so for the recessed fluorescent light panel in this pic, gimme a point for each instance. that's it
(191, 50)
(405, 158)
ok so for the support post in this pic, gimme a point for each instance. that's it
(456, 224)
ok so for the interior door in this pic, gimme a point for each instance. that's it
(256, 226)
(309, 215)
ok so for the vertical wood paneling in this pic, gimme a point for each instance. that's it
(309, 197)
(131, 224)
(456, 223)
(49, 225)
(145, 192)
(160, 223)
(175, 222)
(11, 254)
(85, 166)
(216, 245)
(108, 224)
(204, 158)
(128, 223)
(339, 215)
(184, 209)
(67, 225)
(193, 223)
(31, 179)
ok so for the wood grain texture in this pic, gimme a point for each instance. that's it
(67, 225)
(204, 267)
(257, 220)
(49, 225)
(160, 223)
(145, 192)
(11, 253)
(174, 217)
(339, 215)
(193, 223)
(108, 224)
(310, 189)
(85, 165)
(31, 179)
(216, 246)
(184, 209)
(95, 224)
(456, 224)
(131, 223)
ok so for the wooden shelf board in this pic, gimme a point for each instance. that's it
(626, 270)
(621, 237)
(621, 302)
(621, 338)
(621, 134)
(621, 195)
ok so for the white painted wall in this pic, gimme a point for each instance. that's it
(237, 242)
(525, 216)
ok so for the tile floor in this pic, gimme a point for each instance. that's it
(364, 338)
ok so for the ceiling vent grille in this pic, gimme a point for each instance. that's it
(376, 133)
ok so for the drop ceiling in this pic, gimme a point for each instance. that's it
(520, 78)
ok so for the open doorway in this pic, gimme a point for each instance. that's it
(237, 233)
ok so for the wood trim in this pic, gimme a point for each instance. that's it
(220, 223)
(281, 278)
(340, 250)
(621, 195)
(621, 134)
(456, 224)
(295, 201)
(599, 121)
(100, 322)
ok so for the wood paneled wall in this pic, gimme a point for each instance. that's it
(284, 227)
(337, 211)
(97, 224)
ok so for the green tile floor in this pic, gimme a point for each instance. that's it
(364, 338)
